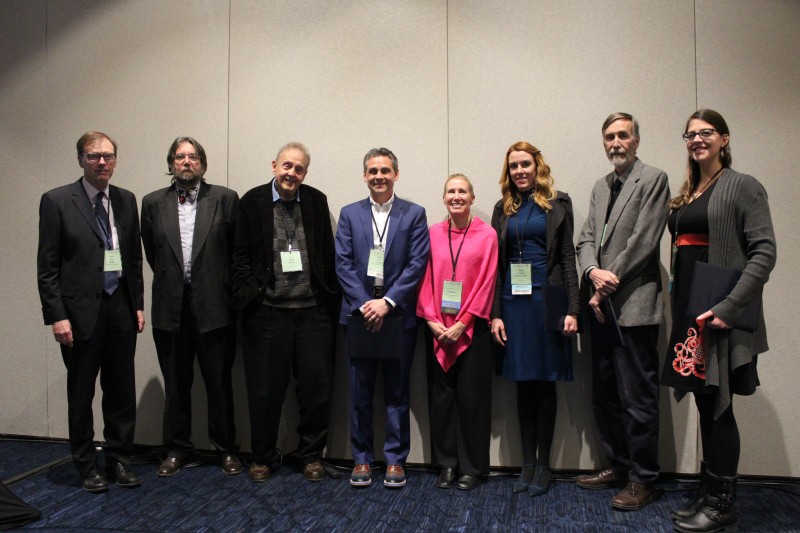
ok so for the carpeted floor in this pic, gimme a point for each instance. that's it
(202, 499)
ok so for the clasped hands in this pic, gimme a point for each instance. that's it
(373, 312)
(445, 335)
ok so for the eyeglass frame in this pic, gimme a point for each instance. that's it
(705, 133)
(95, 157)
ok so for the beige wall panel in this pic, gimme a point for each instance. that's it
(343, 77)
(748, 63)
(23, 390)
(550, 72)
(143, 72)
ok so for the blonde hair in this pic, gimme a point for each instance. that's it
(462, 177)
(543, 186)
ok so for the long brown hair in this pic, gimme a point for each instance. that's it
(543, 189)
(692, 167)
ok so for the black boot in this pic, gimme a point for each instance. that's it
(716, 513)
(697, 503)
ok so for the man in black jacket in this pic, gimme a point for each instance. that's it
(286, 292)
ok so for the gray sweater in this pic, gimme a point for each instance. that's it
(741, 237)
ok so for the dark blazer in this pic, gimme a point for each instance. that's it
(253, 254)
(212, 251)
(560, 251)
(406, 256)
(71, 253)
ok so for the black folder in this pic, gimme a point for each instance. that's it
(385, 344)
(609, 332)
(556, 305)
(710, 285)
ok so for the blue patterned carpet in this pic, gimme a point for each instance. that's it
(202, 499)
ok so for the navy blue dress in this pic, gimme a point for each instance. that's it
(532, 351)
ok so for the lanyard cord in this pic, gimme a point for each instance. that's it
(381, 234)
(519, 236)
(286, 223)
(454, 260)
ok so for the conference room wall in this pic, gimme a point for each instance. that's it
(447, 86)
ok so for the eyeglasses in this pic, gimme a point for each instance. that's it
(704, 134)
(94, 157)
(190, 157)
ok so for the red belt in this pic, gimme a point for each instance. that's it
(692, 239)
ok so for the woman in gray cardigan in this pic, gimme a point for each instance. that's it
(720, 217)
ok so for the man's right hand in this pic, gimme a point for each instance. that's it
(62, 331)
(605, 282)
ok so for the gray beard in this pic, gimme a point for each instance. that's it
(187, 181)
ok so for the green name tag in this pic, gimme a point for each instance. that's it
(112, 261)
(451, 297)
(375, 264)
(521, 279)
(291, 262)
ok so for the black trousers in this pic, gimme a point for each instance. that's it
(215, 351)
(625, 402)
(109, 351)
(460, 405)
(278, 343)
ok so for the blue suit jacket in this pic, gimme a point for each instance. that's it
(406, 254)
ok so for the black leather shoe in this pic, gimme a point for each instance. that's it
(466, 482)
(170, 467)
(446, 479)
(95, 482)
(124, 476)
(231, 464)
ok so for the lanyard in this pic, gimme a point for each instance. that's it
(288, 221)
(381, 234)
(454, 260)
(519, 235)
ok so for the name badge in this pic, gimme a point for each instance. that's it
(375, 264)
(451, 297)
(112, 261)
(521, 279)
(291, 262)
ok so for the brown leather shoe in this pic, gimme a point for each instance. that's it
(314, 471)
(258, 473)
(170, 467)
(231, 464)
(606, 479)
(633, 497)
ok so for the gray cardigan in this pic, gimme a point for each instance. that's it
(740, 236)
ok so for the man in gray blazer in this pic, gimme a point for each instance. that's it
(188, 230)
(618, 252)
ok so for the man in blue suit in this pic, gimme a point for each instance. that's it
(382, 247)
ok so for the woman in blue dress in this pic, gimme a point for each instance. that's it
(534, 224)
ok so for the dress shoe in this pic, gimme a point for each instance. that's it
(361, 476)
(231, 464)
(122, 475)
(466, 482)
(314, 471)
(95, 482)
(524, 479)
(395, 477)
(541, 481)
(606, 479)
(258, 473)
(633, 497)
(170, 467)
(446, 479)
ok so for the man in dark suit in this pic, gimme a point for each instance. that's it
(90, 285)
(286, 293)
(382, 247)
(618, 252)
(187, 232)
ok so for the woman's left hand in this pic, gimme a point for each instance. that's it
(570, 325)
(712, 321)
(452, 334)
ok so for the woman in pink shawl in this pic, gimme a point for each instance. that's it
(455, 299)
